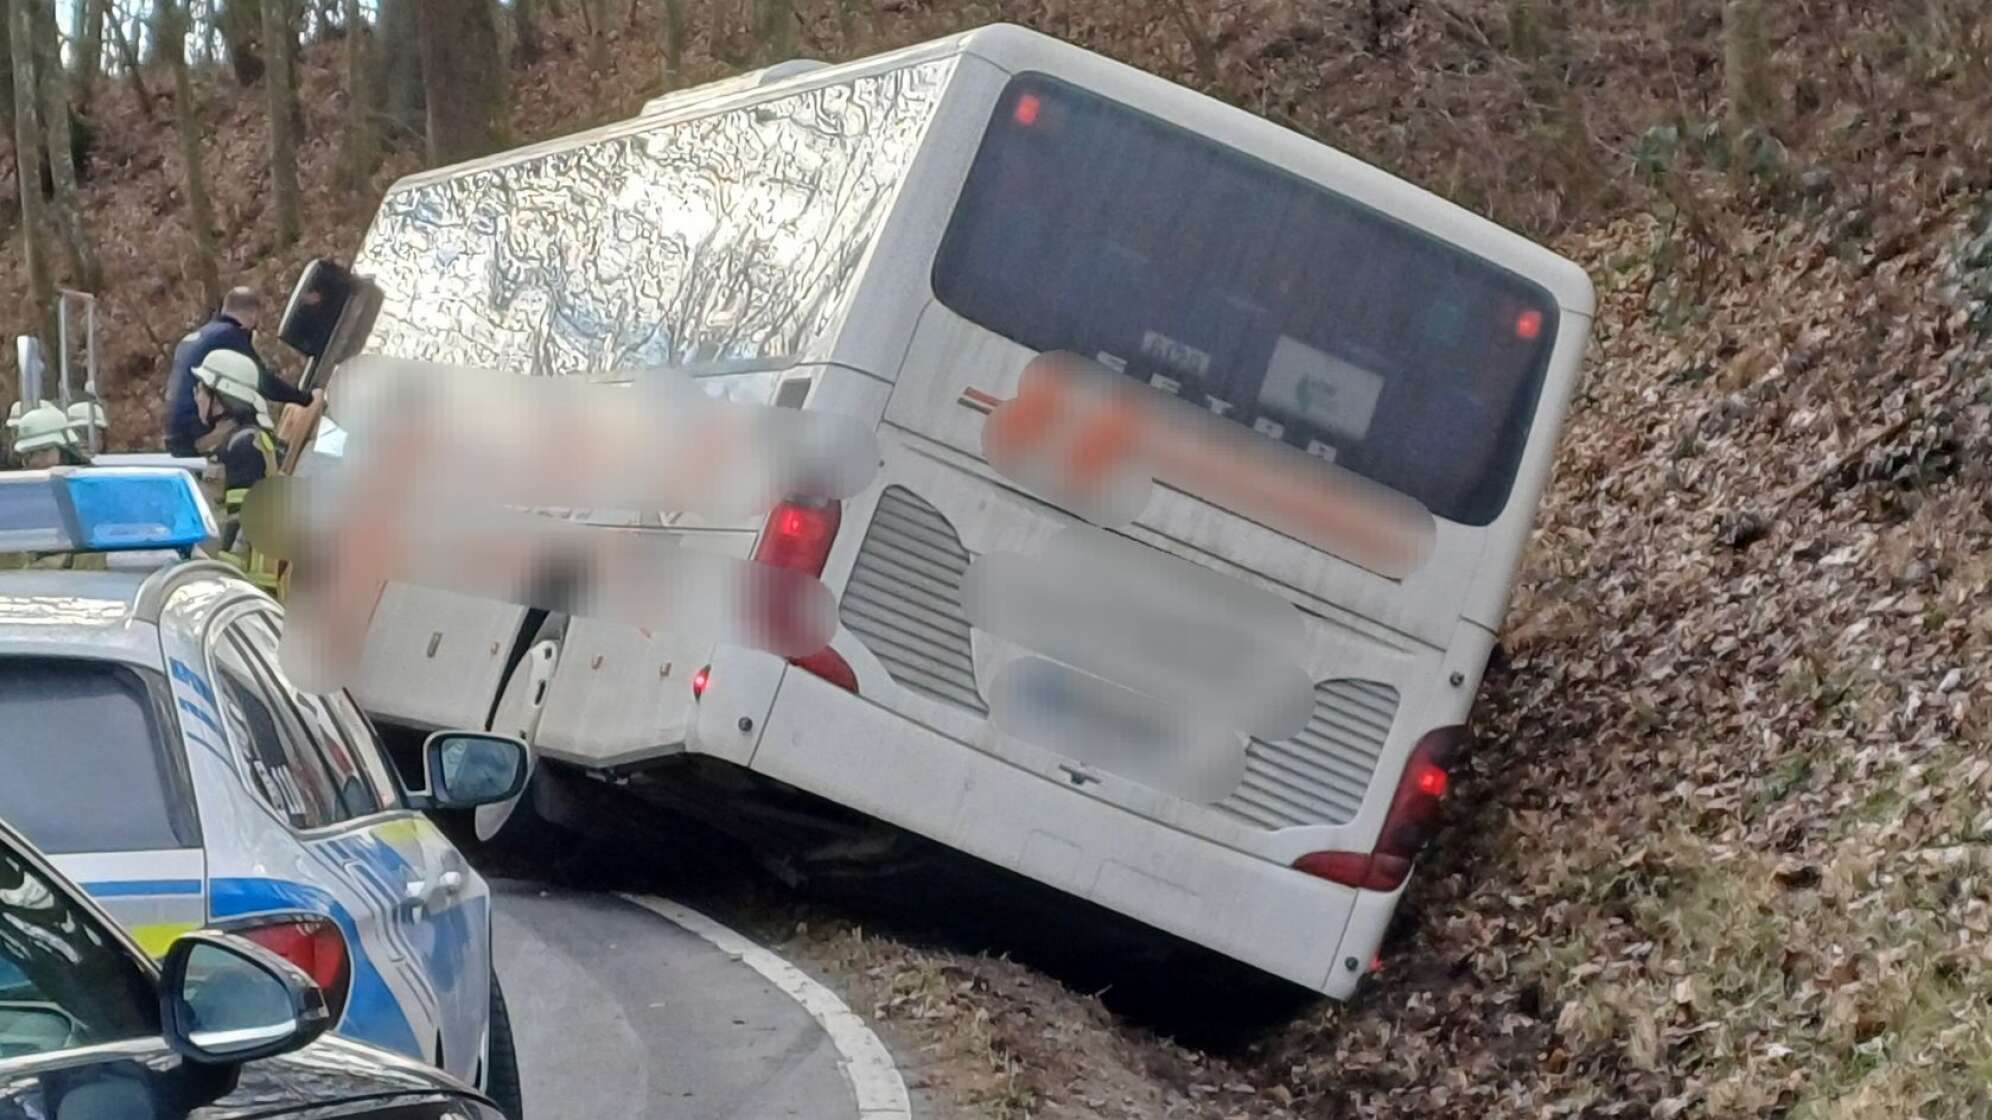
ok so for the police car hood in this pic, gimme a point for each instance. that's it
(331, 1070)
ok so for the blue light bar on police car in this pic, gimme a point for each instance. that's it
(102, 509)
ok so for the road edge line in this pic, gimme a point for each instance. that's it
(868, 1067)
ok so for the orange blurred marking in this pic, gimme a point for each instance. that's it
(1269, 483)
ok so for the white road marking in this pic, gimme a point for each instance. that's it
(867, 1065)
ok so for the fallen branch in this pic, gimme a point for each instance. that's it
(1742, 528)
(1852, 456)
(1465, 23)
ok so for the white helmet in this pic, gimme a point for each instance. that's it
(234, 375)
(84, 415)
(45, 425)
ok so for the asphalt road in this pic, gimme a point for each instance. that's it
(618, 1012)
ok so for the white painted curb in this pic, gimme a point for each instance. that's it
(867, 1065)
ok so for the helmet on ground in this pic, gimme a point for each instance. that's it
(45, 425)
(234, 375)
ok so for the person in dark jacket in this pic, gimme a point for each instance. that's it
(232, 328)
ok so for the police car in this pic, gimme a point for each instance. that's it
(154, 749)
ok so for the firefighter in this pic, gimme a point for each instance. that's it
(226, 394)
(43, 439)
(83, 416)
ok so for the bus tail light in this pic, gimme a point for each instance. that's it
(798, 536)
(314, 945)
(1407, 828)
(699, 680)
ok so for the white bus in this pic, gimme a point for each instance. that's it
(897, 239)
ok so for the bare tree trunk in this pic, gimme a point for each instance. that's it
(241, 30)
(283, 146)
(154, 38)
(200, 214)
(1200, 48)
(1745, 65)
(89, 46)
(847, 32)
(27, 152)
(525, 29)
(359, 155)
(596, 13)
(397, 87)
(130, 55)
(465, 92)
(59, 138)
(723, 41)
(7, 61)
(674, 43)
(775, 29)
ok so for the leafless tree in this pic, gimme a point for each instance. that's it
(465, 92)
(1745, 65)
(121, 39)
(27, 152)
(359, 153)
(242, 30)
(283, 144)
(89, 45)
(596, 14)
(525, 29)
(186, 121)
(397, 87)
(674, 42)
(58, 137)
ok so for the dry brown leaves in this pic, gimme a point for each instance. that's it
(1722, 853)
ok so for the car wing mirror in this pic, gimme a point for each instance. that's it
(224, 1000)
(465, 769)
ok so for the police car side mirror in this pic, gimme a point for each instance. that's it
(465, 769)
(224, 1001)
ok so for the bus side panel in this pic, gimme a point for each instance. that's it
(435, 659)
(1486, 602)
(895, 285)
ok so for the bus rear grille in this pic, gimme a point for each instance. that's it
(904, 600)
(1321, 775)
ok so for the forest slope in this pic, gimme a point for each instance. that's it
(1721, 851)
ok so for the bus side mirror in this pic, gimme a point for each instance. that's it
(315, 307)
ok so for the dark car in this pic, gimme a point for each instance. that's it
(90, 1029)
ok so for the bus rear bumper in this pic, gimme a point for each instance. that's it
(861, 755)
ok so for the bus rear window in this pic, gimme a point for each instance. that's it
(1317, 321)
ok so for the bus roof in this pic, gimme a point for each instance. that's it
(1014, 49)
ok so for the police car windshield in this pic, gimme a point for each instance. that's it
(85, 759)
